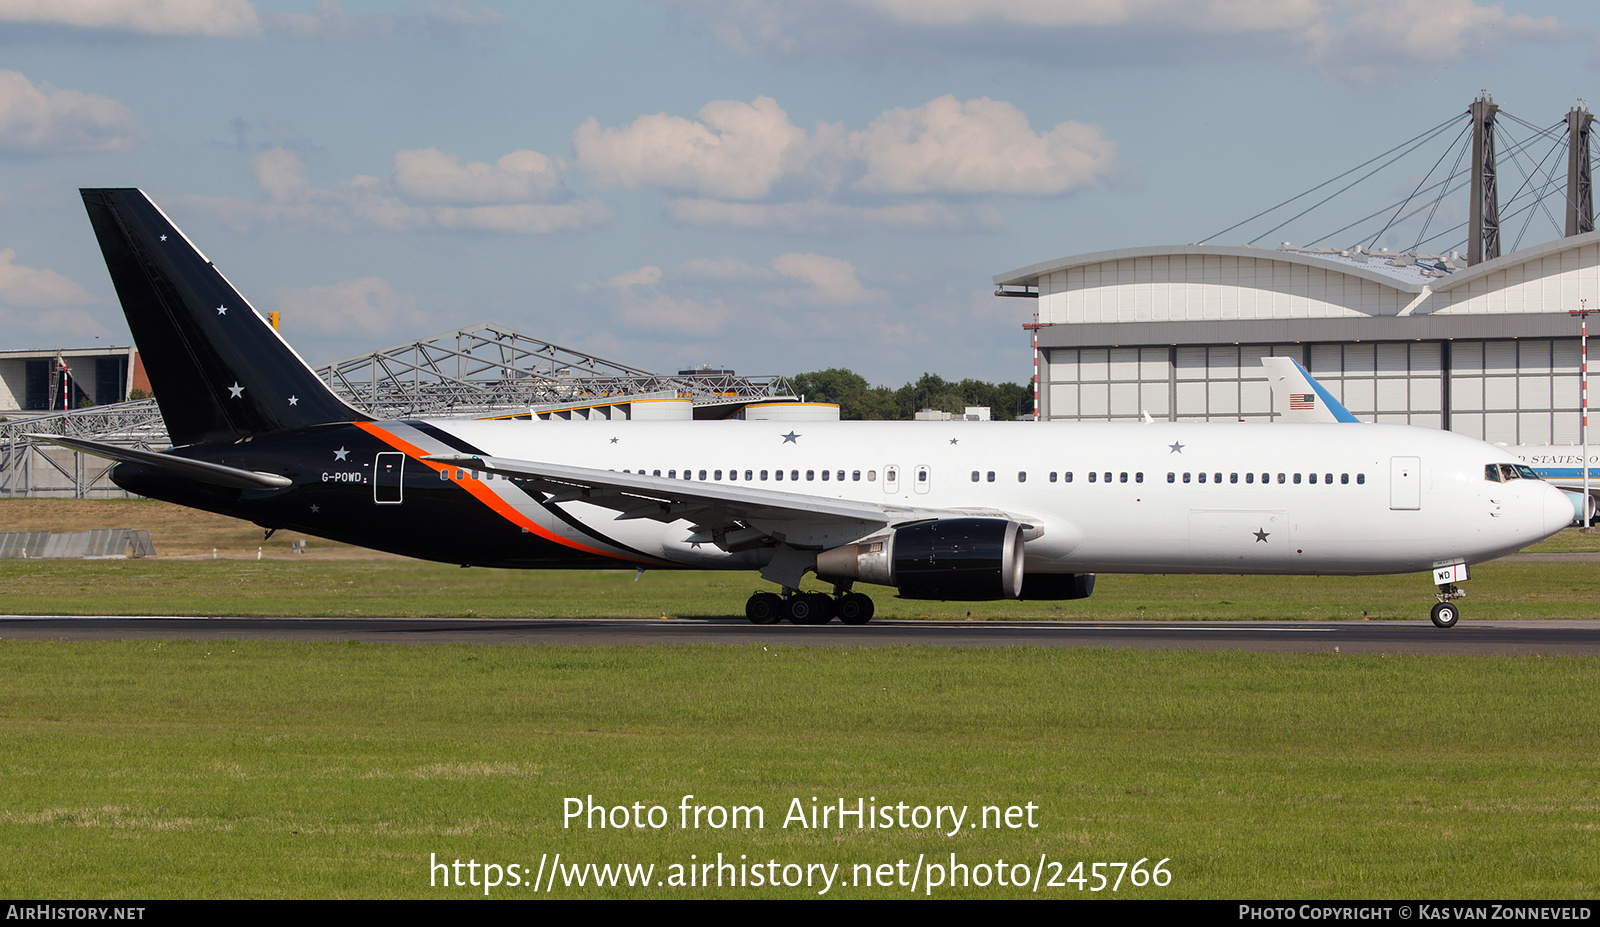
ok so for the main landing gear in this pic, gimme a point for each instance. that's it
(808, 607)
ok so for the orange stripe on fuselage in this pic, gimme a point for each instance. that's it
(486, 495)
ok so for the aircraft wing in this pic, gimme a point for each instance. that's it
(730, 515)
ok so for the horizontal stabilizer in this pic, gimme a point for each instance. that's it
(198, 470)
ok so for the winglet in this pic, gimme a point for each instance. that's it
(1300, 398)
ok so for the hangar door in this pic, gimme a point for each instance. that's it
(1405, 483)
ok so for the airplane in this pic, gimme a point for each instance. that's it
(1561, 467)
(962, 511)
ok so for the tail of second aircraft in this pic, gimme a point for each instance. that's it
(1299, 397)
(219, 371)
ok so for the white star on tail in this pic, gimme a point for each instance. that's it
(235, 391)
(294, 400)
(222, 310)
(341, 454)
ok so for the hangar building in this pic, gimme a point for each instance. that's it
(1482, 343)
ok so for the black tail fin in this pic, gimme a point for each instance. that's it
(219, 371)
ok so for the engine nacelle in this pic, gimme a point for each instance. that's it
(960, 559)
(1056, 587)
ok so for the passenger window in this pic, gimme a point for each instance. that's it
(444, 475)
(1022, 476)
(922, 474)
(1217, 478)
(1171, 477)
(1249, 477)
(717, 474)
(747, 476)
(824, 476)
(1233, 477)
(1108, 476)
(794, 474)
(1282, 478)
(1092, 475)
(1360, 478)
(990, 476)
(1067, 476)
(872, 476)
(1202, 477)
(763, 476)
(975, 476)
(1344, 479)
(841, 476)
(811, 475)
(1297, 479)
(1123, 478)
(1313, 479)
(777, 475)
(655, 473)
(855, 476)
(702, 474)
(1186, 476)
(1139, 477)
(1327, 478)
(1052, 476)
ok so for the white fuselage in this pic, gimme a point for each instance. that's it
(1136, 498)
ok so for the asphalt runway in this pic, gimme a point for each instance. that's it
(1408, 637)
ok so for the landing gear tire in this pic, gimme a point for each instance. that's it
(854, 608)
(808, 608)
(1445, 615)
(764, 608)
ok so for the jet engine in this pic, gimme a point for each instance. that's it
(959, 559)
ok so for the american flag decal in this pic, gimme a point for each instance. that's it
(1302, 401)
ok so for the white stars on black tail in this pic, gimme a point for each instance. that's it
(341, 454)
(235, 391)
(222, 310)
(294, 400)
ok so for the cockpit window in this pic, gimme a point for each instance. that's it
(1505, 473)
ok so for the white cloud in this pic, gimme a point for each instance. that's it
(211, 18)
(980, 146)
(430, 175)
(27, 288)
(738, 157)
(735, 151)
(710, 297)
(426, 190)
(819, 217)
(366, 305)
(42, 120)
(1360, 41)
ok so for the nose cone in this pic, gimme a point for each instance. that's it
(1559, 510)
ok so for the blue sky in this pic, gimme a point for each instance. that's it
(774, 187)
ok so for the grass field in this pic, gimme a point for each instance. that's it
(255, 769)
(247, 769)
(404, 588)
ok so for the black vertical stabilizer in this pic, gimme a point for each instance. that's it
(219, 371)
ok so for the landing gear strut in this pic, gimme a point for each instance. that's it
(1446, 614)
